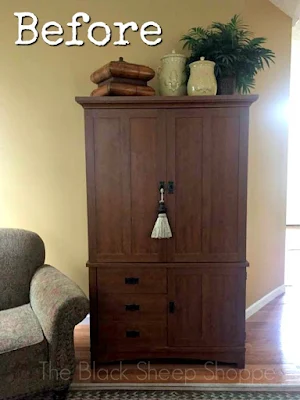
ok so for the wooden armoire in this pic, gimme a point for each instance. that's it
(182, 297)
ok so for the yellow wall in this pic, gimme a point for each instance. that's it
(42, 162)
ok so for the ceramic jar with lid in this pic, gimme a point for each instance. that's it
(172, 76)
(202, 81)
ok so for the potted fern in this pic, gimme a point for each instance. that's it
(238, 55)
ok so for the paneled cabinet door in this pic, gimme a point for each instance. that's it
(207, 165)
(206, 306)
(223, 306)
(185, 326)
(126, 151)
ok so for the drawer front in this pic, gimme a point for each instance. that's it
(132, 335)
(132, 280)
(132, 307)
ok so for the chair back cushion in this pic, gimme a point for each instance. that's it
(21, 253)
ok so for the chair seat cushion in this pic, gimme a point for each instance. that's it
(22, 342)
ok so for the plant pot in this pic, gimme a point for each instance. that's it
(227, 85)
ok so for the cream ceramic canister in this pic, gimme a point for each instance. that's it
(172, 76)
(202, 81)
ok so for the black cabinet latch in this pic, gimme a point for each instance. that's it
(171, 307)
(171, 187)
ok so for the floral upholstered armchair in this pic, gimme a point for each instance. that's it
(39, 308)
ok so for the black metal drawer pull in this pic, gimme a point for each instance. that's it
(132, 334)
(171, 307)
(132, 307)
(132, 281)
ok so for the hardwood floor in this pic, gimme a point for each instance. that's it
(272, 356)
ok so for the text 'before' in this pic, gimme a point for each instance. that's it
(150, 31)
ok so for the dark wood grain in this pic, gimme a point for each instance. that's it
(271, 354)
(243, 182)
(149, 307)
(185, 130)
(114, 337)
(91, 185)
(185, 323)
(93, 289)
(113, 280)
(147, 169)
(221, 186)
(202, 355)
(165, 102)
(157, 266)
(223, 302)
(190, 289)
(207, 209)
(111, 177)
(126, 166)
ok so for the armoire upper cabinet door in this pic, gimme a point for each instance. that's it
(126, 161)
(207, 161)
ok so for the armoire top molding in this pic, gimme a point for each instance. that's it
(166, 101)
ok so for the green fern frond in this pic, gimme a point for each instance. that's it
(233, 48)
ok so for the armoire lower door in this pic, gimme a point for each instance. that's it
(185, 317)
(206, 306)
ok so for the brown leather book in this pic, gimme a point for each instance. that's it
(122, 69)
(123, 89)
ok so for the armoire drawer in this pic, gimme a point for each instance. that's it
(132, 335)
(132, 307)
(132, 280)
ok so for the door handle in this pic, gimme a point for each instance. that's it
(171, 187)
(172, 307)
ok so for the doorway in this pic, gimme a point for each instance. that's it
(292, 269)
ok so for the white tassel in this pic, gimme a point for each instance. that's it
(161, 228)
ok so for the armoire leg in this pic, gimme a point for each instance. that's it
(241, 362)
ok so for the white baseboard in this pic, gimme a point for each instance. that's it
(86, 320)
(264, 301)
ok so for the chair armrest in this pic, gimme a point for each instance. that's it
(59, 305)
